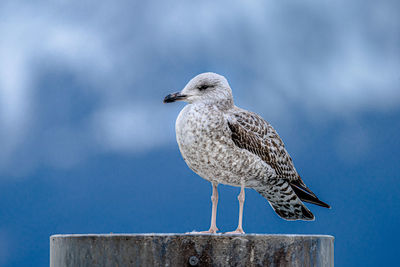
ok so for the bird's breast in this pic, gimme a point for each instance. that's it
(194, 128)
(198, 132)
(206, 145)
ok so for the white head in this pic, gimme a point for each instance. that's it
(210, 88)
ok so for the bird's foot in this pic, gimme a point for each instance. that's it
(238, 231)
(212, 230)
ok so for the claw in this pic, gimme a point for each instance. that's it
(210, 231)
(236, 232)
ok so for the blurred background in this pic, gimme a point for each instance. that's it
(87, 146)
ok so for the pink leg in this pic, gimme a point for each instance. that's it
(241, 198)
(214, 199)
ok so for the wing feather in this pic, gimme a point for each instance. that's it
(253, 133)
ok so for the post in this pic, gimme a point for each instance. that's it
(191, 250)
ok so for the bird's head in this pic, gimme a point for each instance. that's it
(207, 87)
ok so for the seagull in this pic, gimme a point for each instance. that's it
(225, 144)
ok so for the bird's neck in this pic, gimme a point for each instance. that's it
(221, 105)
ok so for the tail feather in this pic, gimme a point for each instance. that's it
(284, 201)
(305, 194)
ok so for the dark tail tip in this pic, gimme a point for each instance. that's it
(306, 195)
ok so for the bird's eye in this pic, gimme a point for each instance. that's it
(203, 87)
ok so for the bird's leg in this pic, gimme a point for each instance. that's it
(214, 199)
(241, 198)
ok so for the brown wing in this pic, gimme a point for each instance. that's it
(253, 133)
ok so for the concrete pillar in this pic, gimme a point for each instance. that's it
(191, 250)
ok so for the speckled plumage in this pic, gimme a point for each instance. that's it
(229, 145)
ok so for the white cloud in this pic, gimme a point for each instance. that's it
(132, 127)
(330, 61)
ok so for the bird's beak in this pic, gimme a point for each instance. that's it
(174, 97)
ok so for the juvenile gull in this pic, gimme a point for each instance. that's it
(225, 144)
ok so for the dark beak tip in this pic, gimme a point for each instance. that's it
(169, 99)
(173, 97)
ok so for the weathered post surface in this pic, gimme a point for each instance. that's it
(191, 250)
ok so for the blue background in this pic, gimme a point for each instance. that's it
(88, 147)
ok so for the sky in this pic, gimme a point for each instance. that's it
(89, 147)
